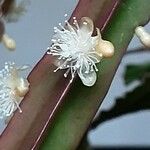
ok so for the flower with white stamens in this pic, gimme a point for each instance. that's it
(77, 50)
(13, 88)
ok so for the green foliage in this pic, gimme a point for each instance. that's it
(136, 72)
(136, 100)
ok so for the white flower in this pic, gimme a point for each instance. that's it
(77, 50)
(12, 89)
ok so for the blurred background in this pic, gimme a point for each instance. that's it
(33, 33)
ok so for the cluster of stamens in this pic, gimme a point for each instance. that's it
(77, 50)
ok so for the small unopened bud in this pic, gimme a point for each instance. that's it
(22, 88)
(105, 48)
(143, 35)
(8, 42)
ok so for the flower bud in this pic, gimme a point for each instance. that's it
(8, 42)
(143, 35)
(106, 48)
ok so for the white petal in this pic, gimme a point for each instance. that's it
(86, 26)
(98, 33)
(88, 79)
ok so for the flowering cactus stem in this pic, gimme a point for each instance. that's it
(81, 103)
(68, 111)
(38, 111)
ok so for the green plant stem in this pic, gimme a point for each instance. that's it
(81, 103)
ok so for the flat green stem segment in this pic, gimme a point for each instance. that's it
(82, 102)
